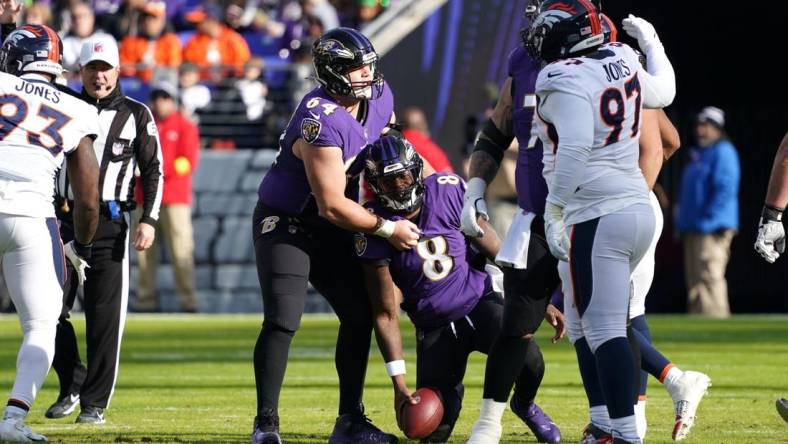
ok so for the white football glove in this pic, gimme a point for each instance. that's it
(642, 31)
(77, 261)
(555, 231)
(771, 240)
(474, 206)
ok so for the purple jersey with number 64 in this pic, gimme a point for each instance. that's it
(531, 186)
(321, 122)
(438, 283)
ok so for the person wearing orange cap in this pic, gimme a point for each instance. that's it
(154, 48)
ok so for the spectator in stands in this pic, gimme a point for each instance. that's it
(708, 215)
(301, 71)
(180, 148)
(323, 10)
(37, 14)
(154, 48)
(215, 45)
(82, 27)
(252, 89)
(194, 95)
(369, 9)
(417, 131)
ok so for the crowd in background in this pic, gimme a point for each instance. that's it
(245, 61)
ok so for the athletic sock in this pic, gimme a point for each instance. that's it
(504, 363)
(492, 410)
(351, 356)
(670, 374)
(614, 365)
(15, 410)
(625, 428)
(270, 362)
(640, 418)
(599, 417)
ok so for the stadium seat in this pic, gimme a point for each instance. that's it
(205, 229)
(251, 180)
(220, 172)
(229, 277)
(234, 244)
(226, 204)
(263, 159)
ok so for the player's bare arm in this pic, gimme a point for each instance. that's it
(668, 134)
(777, 193)
(384, 300)
(489, 243)
(491, 143)
(484, 162)
(651, 151)
(326, 175)
(770, 242)
(83, 171)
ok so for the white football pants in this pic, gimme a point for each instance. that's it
(33, 265)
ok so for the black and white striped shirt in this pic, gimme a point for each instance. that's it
(128, 139)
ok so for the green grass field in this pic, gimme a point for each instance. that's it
(189, 379)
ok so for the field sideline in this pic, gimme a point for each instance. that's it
(189, 379)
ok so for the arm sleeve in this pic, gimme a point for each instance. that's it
(147, 152)
(576, 136)
(658, 81)
(372, 248)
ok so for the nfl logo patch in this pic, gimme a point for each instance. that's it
(117, 148)
(360, 242)
(310, 129)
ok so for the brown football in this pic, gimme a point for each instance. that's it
(419, 420)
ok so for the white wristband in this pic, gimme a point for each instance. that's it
(395, 368)
(386, 229)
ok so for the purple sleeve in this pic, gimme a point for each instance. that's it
(320, 129)
(372, 248)
(557, 299)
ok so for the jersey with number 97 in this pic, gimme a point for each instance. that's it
(438, 283)
(610, 80)
(38, 125)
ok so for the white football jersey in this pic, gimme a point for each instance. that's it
(609, 80)
(39, 124)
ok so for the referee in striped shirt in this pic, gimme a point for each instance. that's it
(128, 139)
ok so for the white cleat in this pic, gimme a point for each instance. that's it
(485, 431)
(687, 391)
(15, 430)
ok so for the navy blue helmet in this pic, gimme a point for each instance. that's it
(393, 169)
(339, 51)
(32, 48)
(564, 28)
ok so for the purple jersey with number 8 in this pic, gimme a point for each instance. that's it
(438, 283)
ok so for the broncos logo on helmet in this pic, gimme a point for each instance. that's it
(340, 51)
(393, 169)
(564, 28)
(32, 48)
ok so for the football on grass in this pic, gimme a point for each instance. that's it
(420, 420)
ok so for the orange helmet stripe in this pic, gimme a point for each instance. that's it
(593, 14)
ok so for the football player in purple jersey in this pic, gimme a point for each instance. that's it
(445, 290)
(307, 201)
(529, 269)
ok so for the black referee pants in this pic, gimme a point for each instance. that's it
(105, 300)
